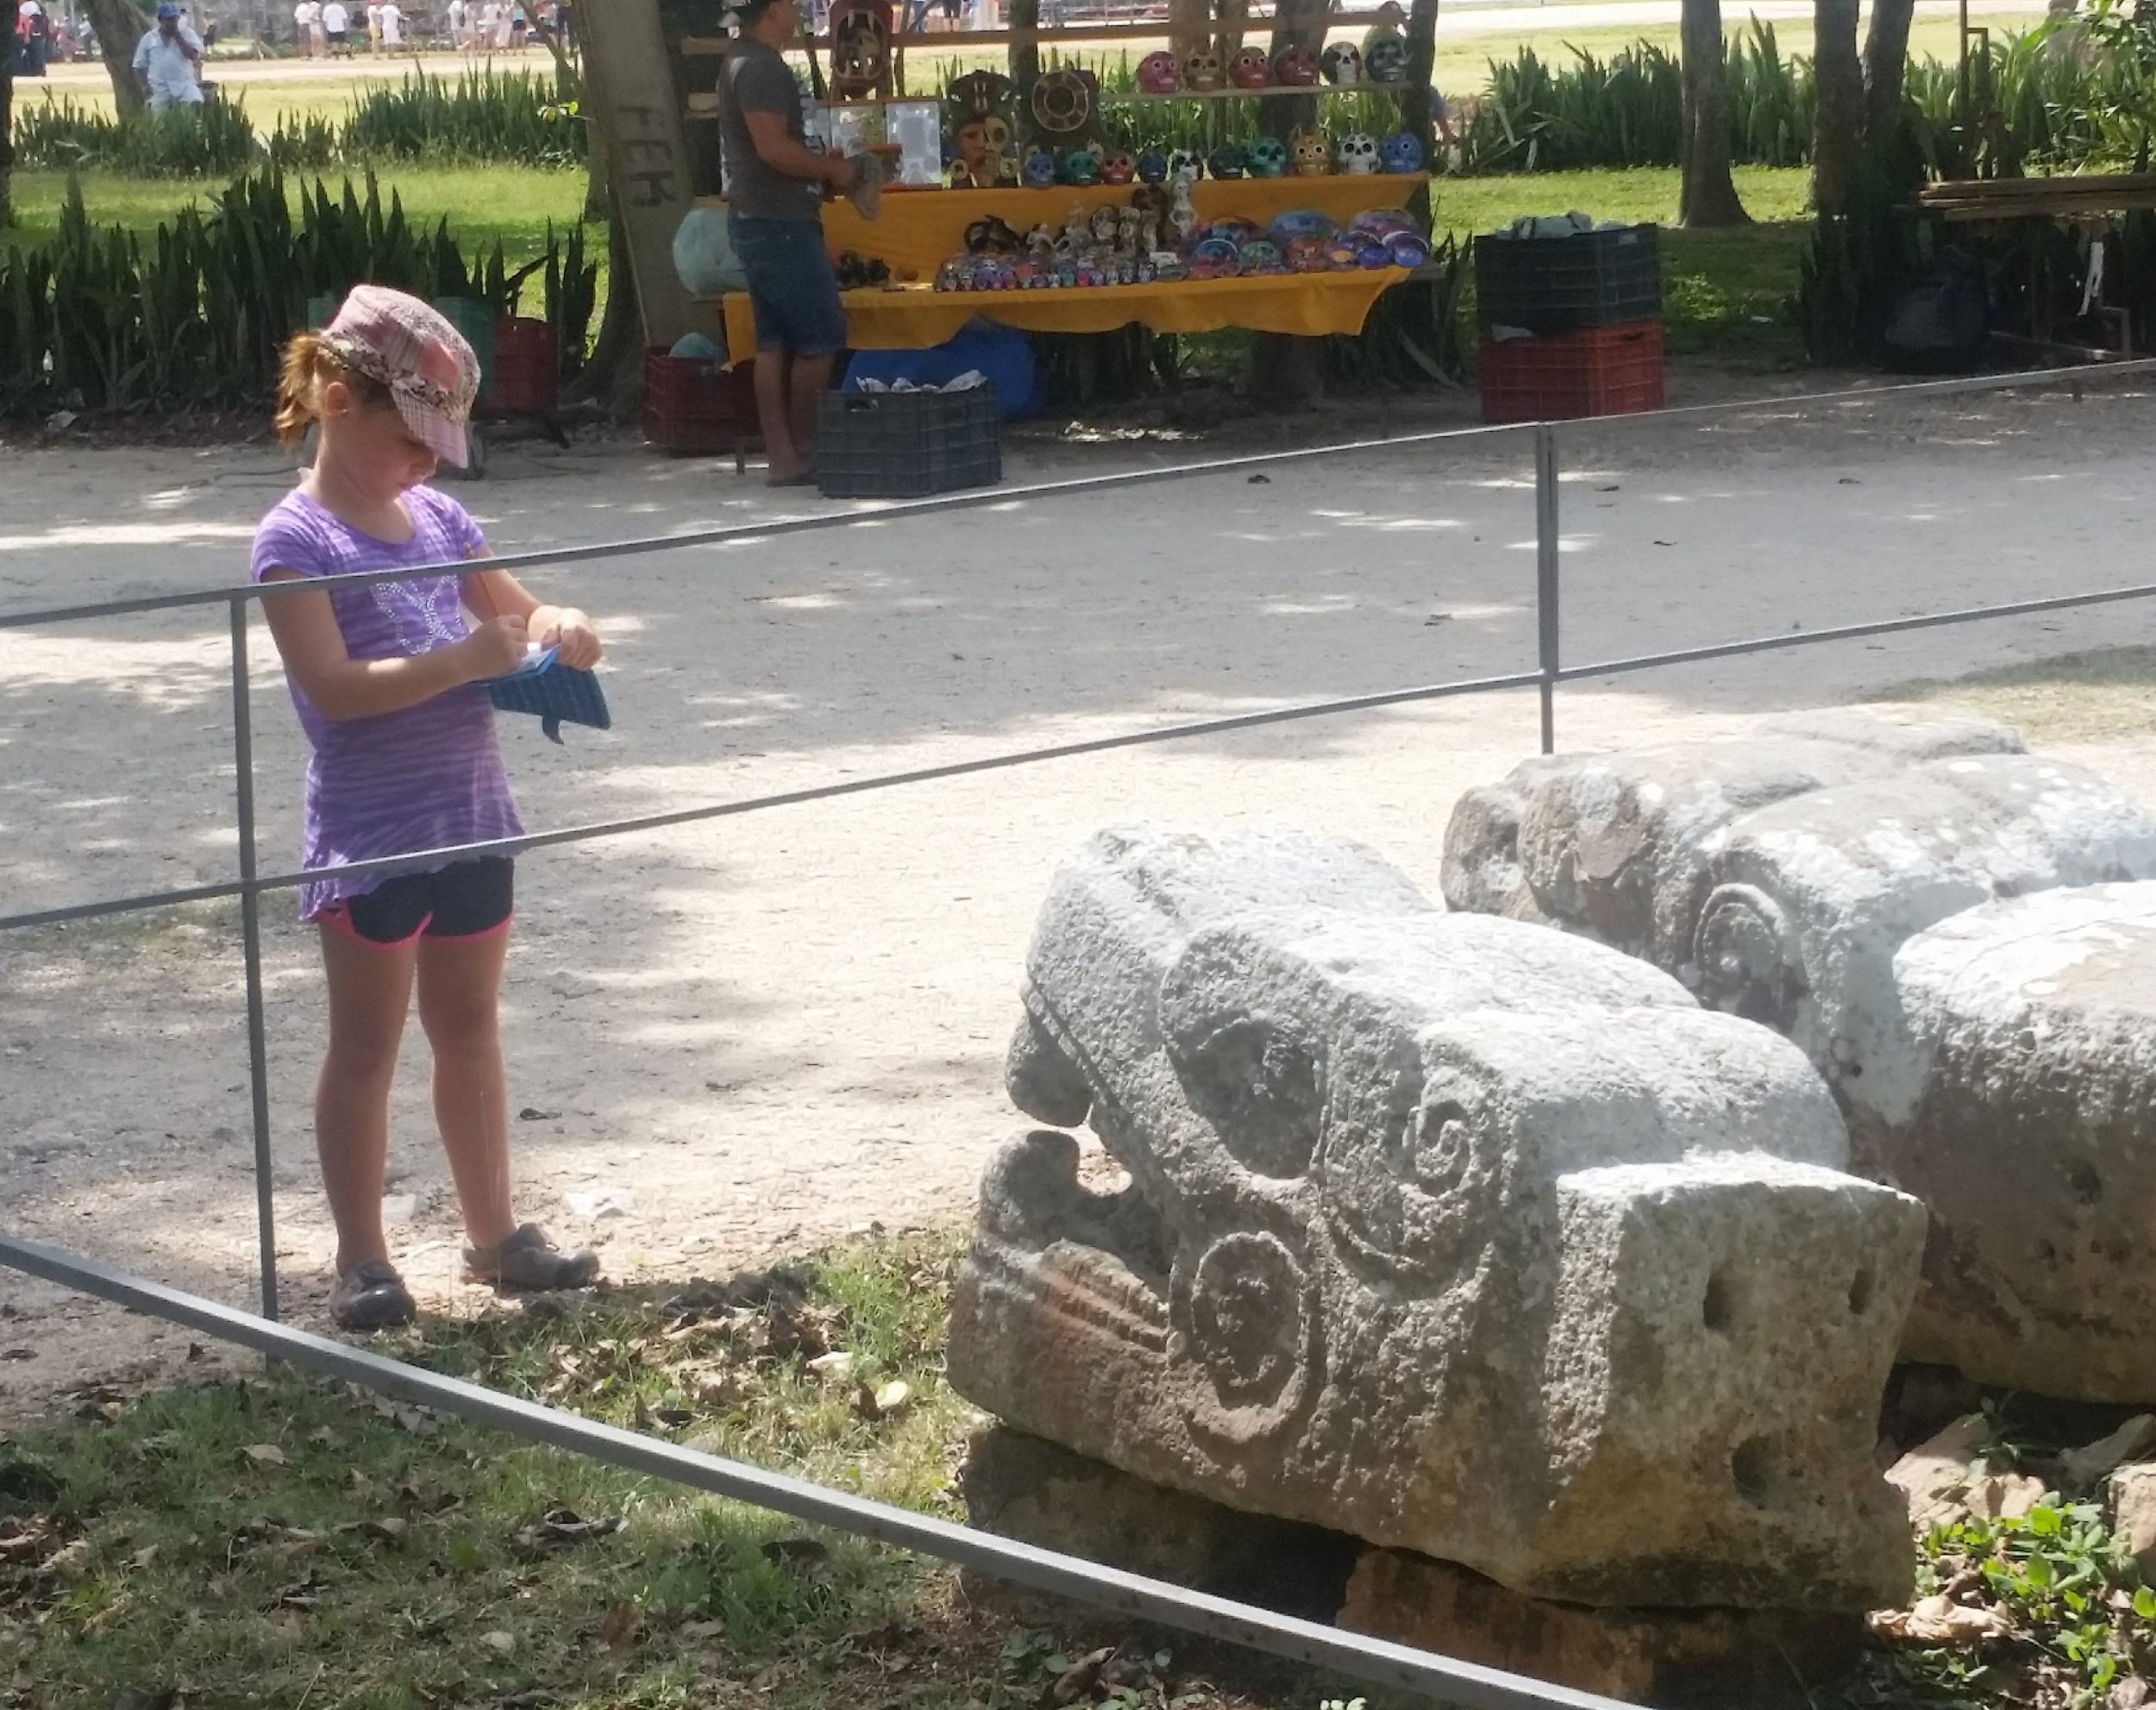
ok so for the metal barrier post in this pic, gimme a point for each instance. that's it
(251, 942)
(1546, 629)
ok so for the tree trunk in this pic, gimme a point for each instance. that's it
(1025, 56)
(1886, 59)
(1190, 27)
(119, 26)
(1414, 99)
(613, 378)
(1708, 195)
(1838, 130)
(7, 9)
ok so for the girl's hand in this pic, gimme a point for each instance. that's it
(493, 648)
(572, 632)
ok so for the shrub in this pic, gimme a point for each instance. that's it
(198, 313)
(480, 116)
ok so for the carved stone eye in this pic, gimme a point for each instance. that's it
(1257, 1083)
(1746, 960)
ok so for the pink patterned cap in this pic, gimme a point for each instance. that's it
(409, 347)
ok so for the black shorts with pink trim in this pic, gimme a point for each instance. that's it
(470, 900)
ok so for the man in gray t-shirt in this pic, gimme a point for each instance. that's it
(774, 219)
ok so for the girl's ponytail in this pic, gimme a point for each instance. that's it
(308, 366)
(299, 382)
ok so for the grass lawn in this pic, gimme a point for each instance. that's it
(1723, 291)
(2103, 696)
(273, 1539)
(276, 1540)
(276, 90)
(482, 203)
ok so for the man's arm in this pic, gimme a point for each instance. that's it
(779, 152)
(142, 66)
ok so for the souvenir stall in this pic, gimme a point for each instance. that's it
(1060, 207)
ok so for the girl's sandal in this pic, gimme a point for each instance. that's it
(371, 1296)
(527, 1260)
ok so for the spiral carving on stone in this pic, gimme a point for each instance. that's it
(1414, 1163)
(1246, 1321)
(1746, 955)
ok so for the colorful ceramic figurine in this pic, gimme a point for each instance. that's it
(1204, 69)
(1160, 73)
(1343, 64)
(1311, 152)
(1359, 153)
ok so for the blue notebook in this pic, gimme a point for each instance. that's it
(553, 692)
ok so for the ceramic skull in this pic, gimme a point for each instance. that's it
(1343, 64)
(1358, 152)
(1295, 66)
(1250, 69)
(1152, 166)
(1227, 161)
(1205, 69)
(1266, 157)
(1119, 169)
(1401, 152)
(1160, 73)
(1312, 151)
(1385, 59)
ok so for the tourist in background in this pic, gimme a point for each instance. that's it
(303, 16)
(167, 62)
(336, 28)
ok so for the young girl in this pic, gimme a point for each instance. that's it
(387, 681)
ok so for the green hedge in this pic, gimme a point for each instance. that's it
(481, 116)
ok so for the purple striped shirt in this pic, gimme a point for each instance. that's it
(427, 777)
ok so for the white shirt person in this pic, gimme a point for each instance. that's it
(165, 59)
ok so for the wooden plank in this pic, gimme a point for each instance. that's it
(1306, 91)
(1047, 35)
(1971, 188)
(631, 95)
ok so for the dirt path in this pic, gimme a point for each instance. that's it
(772, 1031)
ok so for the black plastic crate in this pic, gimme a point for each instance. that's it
(907, 444)
(1567, 285)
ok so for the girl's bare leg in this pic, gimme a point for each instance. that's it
(460, 989)
(370, 990)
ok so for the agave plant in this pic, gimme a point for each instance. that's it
(199, 310)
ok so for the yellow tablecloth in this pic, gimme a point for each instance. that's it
(915, 317)
(919, 230)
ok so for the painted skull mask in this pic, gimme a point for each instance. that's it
(1312, 153)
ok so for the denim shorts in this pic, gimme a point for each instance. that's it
(791, 285)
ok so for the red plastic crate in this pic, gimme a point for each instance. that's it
(527, 369)
(692, 406)
(1603, 371)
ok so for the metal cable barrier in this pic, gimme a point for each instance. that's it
(1371, 1660)
(1378, 1661)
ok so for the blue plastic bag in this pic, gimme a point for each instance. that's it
(1002, 354)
